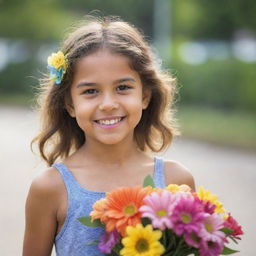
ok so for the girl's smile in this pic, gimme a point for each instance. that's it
(110, 122)
(107, 97)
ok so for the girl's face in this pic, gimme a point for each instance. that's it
(107, 97)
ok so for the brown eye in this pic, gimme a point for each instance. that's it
(90, 91)
(123, 87)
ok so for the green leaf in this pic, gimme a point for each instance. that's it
(227, 251)
(227, 230)
(233, 239)
(148, 181)
(145, 221)
(87, 222)
(94, 242)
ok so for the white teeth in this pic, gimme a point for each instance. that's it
(109, 122)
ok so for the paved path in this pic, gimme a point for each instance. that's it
(227, 172)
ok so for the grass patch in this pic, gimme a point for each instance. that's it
(16, 99)
(227, 128)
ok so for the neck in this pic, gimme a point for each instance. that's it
(117, 154)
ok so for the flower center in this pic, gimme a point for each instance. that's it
(161, 213)
(195, 237)
(208, 227)
(142, 245)
(130, 210)
(186, 218)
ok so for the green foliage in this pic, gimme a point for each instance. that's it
(18, 78)
(48, 19)
(89, 223)
(233, 128)
(40, 20)
(148, 181)
(228, 84)
(212, 19)
(227, 231)
(228, 251)
(138, 12)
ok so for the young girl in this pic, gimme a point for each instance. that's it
(104, 112)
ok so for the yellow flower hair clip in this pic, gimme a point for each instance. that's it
(57, 65)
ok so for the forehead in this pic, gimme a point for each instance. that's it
(103, 66)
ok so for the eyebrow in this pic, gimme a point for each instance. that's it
(125, 79)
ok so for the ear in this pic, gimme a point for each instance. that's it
(70, 108)
(146, 98)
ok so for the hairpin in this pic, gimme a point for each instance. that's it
(57, 65)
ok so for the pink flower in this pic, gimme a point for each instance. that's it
(210, 248)
(187, 216)
(158, 207)
(193, 239)
(232, 224)
(108, 241)
(211, 229)
(212, 242)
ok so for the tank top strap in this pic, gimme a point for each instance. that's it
(159, 177)
(67, 177)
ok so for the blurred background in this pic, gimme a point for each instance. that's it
(209, 46)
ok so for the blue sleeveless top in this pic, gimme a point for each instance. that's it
(74, 237)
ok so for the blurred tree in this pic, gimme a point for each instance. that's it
(226, 83)
(34, 20)
(212, 19)
(48, 19)
(138, 12)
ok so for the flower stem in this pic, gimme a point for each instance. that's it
(177, 251)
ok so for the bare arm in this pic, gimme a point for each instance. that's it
(176, 173)
(41, 218)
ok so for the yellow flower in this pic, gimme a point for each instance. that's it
(174, 188)
(142, 241)
(57, 60)
(206, 195)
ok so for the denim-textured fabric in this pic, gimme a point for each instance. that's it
(73, 238)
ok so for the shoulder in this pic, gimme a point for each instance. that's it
(47, 181)
(46, 187)
(176, 173)
(42, 205)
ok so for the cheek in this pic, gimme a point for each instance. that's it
(134, 101)
(82, 114)
(136, 109)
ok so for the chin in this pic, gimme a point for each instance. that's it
(112, 141)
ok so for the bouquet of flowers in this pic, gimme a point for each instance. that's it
(149, 221)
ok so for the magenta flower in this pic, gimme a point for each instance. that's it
(211, 229)
(193, 239)
(210, 248)
(208, 207)
(188, 216)
(108, 241)
(158, 207)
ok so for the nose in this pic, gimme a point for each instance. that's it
(108, 103)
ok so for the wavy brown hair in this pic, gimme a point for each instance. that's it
(60, 134)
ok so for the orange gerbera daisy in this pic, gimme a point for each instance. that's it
(99, 209)
(122, 208)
